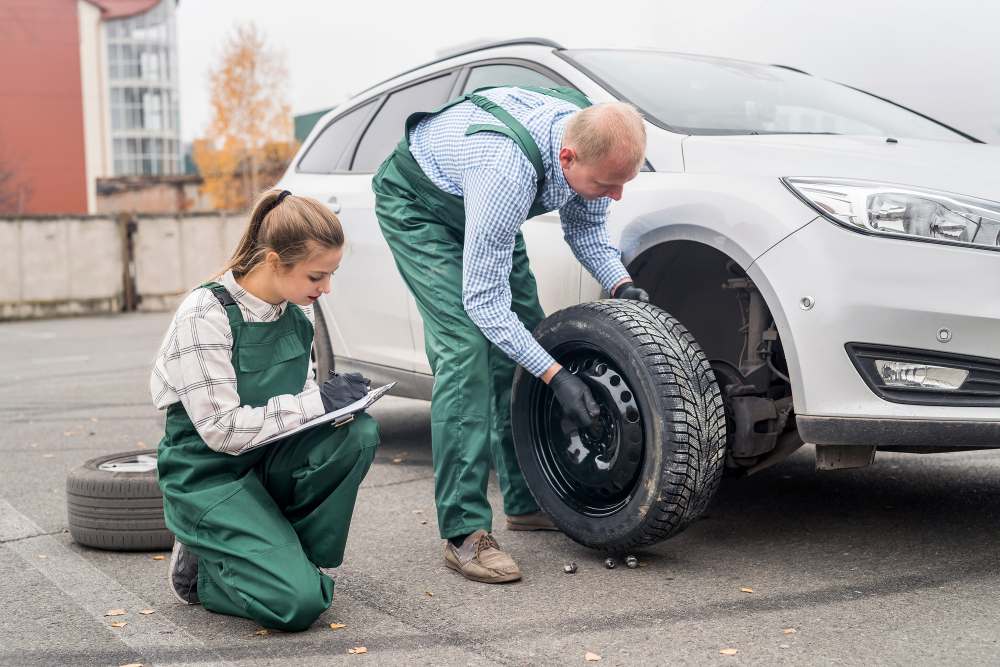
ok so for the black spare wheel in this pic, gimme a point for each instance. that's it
(114, 502)
(652, 461)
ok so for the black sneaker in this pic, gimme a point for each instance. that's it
(183, 574)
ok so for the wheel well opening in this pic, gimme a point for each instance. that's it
(714, 298)
(686, 279)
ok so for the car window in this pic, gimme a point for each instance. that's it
(386, 129)
(703, 95)
(325, 153)
(505, 75)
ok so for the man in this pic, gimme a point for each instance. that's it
(450, 201)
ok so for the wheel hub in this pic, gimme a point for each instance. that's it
(593, 469)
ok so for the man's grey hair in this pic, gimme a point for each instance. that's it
(609, 128)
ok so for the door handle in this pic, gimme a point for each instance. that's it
(333, 203)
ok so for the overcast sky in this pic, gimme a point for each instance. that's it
(941, 58)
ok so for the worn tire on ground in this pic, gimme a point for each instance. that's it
(117, 509)
(666, 461)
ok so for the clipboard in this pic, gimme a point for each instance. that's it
(337, 418)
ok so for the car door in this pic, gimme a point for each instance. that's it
(371, 303)
(556, 269)
(321, 173)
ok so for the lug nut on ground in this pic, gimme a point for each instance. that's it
(610, 563)
(632, 562)
(569, 568)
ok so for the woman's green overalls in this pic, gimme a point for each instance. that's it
(262, 522)
(470, 406)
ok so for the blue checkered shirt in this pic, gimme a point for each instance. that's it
(498, 184)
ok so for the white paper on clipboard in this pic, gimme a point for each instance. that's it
(337, 417)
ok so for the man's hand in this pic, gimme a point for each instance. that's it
(628, 290)
(342, 390)
(574, 396)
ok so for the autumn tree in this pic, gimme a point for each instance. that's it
(249, 141)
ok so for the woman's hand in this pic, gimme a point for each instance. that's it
(342, 390)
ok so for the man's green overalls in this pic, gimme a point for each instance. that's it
(262, 522)
(470, 406)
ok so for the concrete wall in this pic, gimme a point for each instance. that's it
(76, 265)
(174, 254)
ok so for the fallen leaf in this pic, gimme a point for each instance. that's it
(115, 612)
(746, 589)
(140, 443)
(789, 631)
(357, 650)
(147, 612)
(119, 624)
(337, 626)
(591, 657)
(161, 557)
(423, 523)
(68, 433)
(263, 632)
(42, 556)
(728, 651)
(134, 664)
(47, 456)
(93, 419)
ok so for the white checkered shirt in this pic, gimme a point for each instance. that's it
(194, 366)
(499, 186)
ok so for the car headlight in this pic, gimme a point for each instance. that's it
(895, 210)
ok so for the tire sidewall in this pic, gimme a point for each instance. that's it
(91, 470)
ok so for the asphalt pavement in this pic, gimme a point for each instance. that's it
(892, 564)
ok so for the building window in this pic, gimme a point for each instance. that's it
(142, 52)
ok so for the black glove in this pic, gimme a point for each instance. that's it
(628, 290)
(574, 396)
(341, 390)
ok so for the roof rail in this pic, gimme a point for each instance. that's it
(468, 48)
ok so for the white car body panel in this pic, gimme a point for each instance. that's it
(960, 167)
(875, 290)
(725, 192)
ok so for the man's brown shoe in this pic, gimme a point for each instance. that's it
(532, 521)
(480, 559)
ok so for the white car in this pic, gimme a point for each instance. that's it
(835, 255)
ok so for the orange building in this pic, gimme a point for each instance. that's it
(88, 90)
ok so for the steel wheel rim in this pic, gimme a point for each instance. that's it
(597, 472)
(130, 463)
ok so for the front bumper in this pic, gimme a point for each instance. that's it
(889, 292)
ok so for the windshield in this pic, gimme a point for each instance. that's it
(702, 95)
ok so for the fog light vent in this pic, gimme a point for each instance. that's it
(906, 374)
(927, 377)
